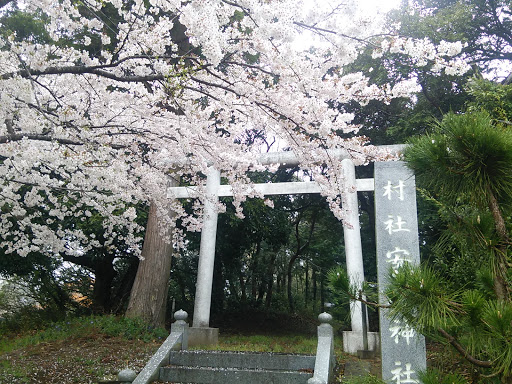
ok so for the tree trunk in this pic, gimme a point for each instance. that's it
(255, 272)
(501, 287)
(270, 277)
(289, 285)
(122, 294)
(104, 274)
(218, 286)
(300, 249)
(314, 289)
(306, 291)
(148, 298)
(322, 291)
(243, 290)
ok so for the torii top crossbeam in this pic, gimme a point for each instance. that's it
(288, 159)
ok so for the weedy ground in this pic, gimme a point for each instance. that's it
(88, 349)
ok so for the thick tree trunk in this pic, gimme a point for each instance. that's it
(148, 298)
(104, 274)
(122, 294)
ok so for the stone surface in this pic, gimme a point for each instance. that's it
(402, 350)
(325, 359)
(178, 337)
(203, 298)
(199, 336)
(126, 375)
(352, 236)
(268, 361)
(237, 367)
(180, 315)
(325, 317)
(238, 376)
(353, 342)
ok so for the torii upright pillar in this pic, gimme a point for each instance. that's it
(201, 333)
(353, 340)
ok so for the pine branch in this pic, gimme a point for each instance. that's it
(463, 352)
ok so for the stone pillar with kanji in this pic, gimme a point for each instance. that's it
(402, 349)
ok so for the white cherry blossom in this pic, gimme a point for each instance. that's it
(84, 134)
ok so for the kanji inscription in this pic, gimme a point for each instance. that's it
(403, 350)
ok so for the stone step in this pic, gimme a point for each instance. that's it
(259, 361)
(203, 375)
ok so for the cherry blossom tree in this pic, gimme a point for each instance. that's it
(122, 98)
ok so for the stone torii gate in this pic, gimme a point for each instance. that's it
(402, 349)
(201, 330)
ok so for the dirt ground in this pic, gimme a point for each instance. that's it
(82, 360)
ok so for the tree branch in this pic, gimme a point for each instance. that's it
(36, 136)
(316, 29)
(40, 137)
(463, 352)
(3, 3)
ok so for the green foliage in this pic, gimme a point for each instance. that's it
(263, 343)
(497, 316)
(89, 326)
(492, 97)
(434, 376)
(127, 328)
(370, 379)
(472, 157)
(474, 22)
(26, 27)
(449, 21)
(430, 303)
(339, 283)
(464, 168)
(341, 293)
(423, 298)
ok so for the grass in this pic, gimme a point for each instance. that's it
(263, 343)
(79, 350)
(81, 327)
(363, 380)
(86, 349)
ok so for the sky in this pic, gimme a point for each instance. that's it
(383, 5)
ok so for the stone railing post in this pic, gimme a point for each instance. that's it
(325, 359)
(179, 334)
(181, 326)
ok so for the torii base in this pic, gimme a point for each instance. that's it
(199, 336)
(353, 342)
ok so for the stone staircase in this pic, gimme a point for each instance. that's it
(236, 367)
(174, 363)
